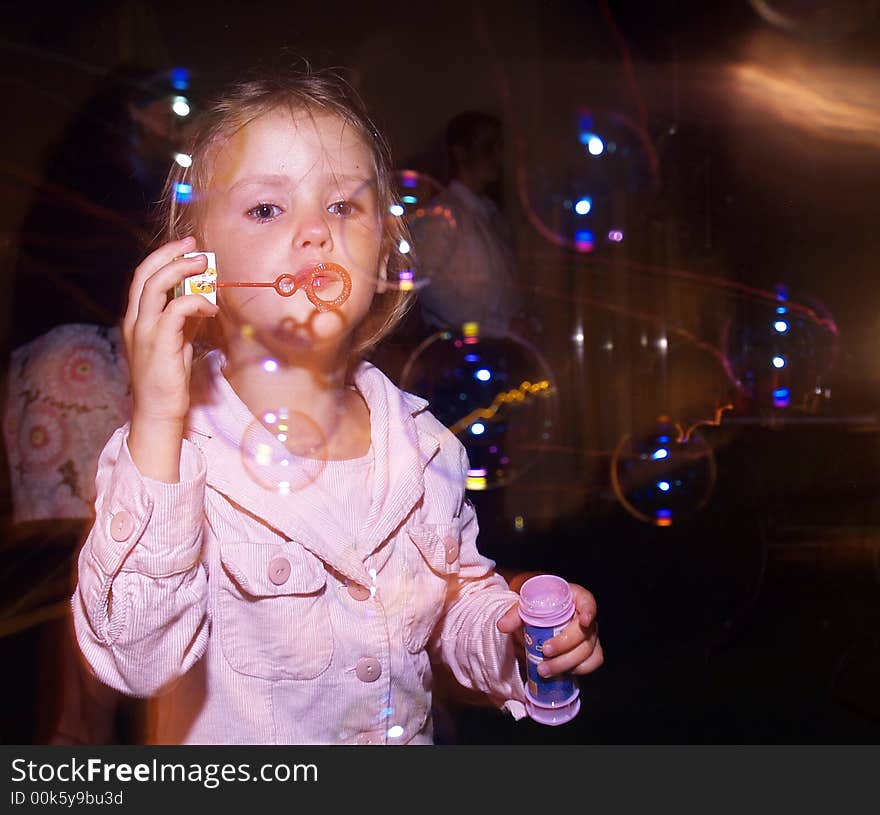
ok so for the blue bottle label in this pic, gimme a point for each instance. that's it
(557, 690)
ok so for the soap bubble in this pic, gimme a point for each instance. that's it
(496, 394)
(776, 352)
(568, 187)
(664, 476)
(431, 221)
(280, 448)
(283, 450)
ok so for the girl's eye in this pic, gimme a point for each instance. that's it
(264, 212)
(343, 208)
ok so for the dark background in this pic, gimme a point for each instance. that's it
(752, 619)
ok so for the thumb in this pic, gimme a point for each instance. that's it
(511, 621)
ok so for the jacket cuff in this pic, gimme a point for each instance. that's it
(173, 512)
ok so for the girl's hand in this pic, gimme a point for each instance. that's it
(576, 649)
(158, 344)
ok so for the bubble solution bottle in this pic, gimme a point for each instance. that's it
(546, 606)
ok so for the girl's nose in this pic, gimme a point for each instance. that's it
(313, 231)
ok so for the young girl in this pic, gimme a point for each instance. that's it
(282, 537)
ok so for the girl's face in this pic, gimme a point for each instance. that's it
(287, 191)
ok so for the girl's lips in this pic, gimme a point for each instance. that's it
(320, 266)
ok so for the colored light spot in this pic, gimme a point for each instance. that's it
(663, 517)
(180, 79)
(584, 240)
(180, 106)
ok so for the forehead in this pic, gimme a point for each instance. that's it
(293, 143)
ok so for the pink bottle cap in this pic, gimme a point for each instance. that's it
(545, 601)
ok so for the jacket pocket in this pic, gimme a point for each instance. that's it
(431, 561)
(273, 617)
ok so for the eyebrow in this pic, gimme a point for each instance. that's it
(278, 180)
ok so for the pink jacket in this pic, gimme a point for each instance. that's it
(248, 612)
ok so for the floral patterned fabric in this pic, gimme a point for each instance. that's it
(68, 391)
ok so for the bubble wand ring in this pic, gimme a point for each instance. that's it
(287, 285)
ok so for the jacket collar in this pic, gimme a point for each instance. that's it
(245, 464)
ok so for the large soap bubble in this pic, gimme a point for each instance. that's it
(587, 159)
(776, 352)
(496, 394)
(664, 476)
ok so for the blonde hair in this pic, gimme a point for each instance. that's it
(316, 92)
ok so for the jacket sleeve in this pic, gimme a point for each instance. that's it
(466, 638)
(140, 604)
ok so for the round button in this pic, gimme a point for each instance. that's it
(279, 570)
(358, 592)
(121, 526)
(451, 545)
(368, 669)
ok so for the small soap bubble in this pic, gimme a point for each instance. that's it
(428, 211)
(283, 450)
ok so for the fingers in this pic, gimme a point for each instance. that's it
(582, 658)
(158, 272)
(584, 604)
(592, 662)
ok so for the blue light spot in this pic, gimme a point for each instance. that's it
(484, 375)
(781, 397)
(781, 310)
(180, 78)
(409, 199)
(183, 192)
(663, 486)
(663, 439)
(478, 428)
(584, 236)
(660, 453)
(471, 357)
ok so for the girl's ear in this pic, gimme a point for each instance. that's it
(382, 282)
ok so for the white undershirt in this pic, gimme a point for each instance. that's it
(348, 487)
